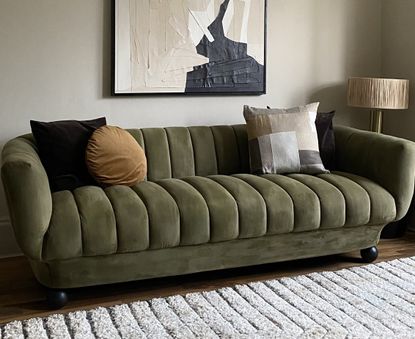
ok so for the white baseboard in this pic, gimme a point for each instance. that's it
(8, 245)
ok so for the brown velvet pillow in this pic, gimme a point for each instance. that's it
(62, 151)
(114, 157)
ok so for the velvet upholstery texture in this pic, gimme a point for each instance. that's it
(385, 160)
(87, 271)
(28, 194)
(200, 209)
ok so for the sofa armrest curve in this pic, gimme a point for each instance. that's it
(389, 161)
(28, 195)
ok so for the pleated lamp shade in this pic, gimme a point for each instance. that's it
(378, 93)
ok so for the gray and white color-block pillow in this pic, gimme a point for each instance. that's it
(283, 140)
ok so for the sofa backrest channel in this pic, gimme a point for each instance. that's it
(177, 152)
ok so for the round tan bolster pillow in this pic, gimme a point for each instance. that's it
(114, 157)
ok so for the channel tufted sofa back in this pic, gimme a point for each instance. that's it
(177, 152)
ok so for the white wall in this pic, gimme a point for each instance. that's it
(398, 60)
(55, 64)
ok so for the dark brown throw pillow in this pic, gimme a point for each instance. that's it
(326, 141)
(62, 147)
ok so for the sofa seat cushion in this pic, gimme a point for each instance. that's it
(196, 210)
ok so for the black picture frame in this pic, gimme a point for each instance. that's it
(218, 92)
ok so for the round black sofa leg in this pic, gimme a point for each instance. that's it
(369, 254)
(56, 298)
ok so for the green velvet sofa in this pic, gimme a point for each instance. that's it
(200, 209)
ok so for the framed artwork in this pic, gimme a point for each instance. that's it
(189, 47)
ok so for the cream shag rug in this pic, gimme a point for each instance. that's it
(373, 301)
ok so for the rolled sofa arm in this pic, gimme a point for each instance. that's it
(28, 194)
(386, 160)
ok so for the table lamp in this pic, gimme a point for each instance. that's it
(378, 94)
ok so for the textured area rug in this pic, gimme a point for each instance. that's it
(373, 301)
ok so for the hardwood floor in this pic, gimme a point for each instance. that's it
(21, 297)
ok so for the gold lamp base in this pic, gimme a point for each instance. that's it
(376, 121)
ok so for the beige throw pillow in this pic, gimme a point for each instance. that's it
(283, 140)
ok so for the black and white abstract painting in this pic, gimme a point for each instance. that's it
(189, 46)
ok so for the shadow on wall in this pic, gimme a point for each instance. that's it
(330, 97)
(3, 207)
(334, 97)
(107, 23)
